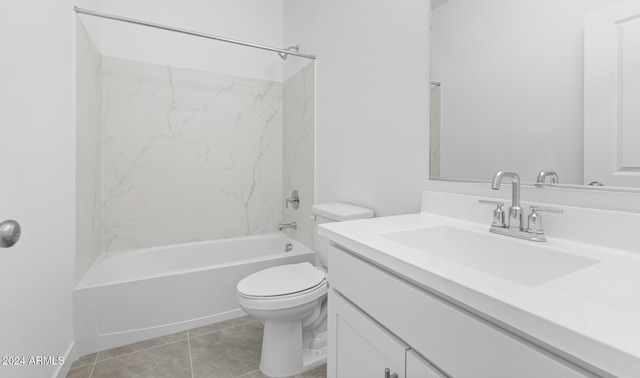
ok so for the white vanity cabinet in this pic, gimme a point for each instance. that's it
(378, 320)
(418, 367)
(361, 347)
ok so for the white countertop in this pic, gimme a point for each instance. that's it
(590, 316)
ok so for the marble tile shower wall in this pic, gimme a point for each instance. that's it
(187, 155)
(88, 151)
(299, 150)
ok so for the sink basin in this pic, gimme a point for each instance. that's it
(522, 262)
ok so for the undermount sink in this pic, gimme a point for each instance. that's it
(522, 262)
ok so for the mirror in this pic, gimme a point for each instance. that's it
(508, 88)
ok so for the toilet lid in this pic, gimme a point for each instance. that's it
(281, 280)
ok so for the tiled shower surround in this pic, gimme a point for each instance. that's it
(88, 151)
(187, 155)
(298, 151)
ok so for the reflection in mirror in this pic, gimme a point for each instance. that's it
(512, 88)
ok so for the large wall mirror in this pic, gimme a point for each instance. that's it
(516, 85)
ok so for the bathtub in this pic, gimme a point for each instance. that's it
(135, 295)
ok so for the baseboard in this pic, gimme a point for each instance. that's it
(69, 357)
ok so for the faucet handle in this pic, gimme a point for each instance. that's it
(535, 220)
(498, 212)
(294, 200)
(556, 210)
(487, 202)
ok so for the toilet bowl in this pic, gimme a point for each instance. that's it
(291, 300)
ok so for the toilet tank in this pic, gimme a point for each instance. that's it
(334, 212)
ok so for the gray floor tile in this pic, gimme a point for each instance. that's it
(229, 349)
(228, 353)
(80, 372)
(167, 361)
(89, 359)
(254, 374)
(142, 345)
(319, 372)
(221, 325)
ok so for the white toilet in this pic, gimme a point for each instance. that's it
(292, 302)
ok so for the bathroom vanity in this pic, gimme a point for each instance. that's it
(430, 295)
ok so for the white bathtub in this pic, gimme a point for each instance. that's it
(135, 295)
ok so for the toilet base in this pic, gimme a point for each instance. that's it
(281, 348)
(282, 351)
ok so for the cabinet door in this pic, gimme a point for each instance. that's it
(359, 347)
(418, 367)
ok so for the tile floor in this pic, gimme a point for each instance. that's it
(229, 349)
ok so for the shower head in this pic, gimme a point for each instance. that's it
(284, 56)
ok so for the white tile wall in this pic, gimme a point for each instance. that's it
(188, 155)
(88, 151)
(169, 155)
(298, 153)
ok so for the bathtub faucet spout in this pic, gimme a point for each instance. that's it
(283, 226)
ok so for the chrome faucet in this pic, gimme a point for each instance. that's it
(542, 177)
(514, 221)
(283, 226)
(514, 224)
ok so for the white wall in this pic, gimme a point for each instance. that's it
(300, 29)
(512, 86)
(37, 146)
(372, 94)
(255, 21)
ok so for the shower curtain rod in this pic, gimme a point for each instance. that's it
(282, 52)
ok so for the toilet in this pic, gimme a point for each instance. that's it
(291, 300)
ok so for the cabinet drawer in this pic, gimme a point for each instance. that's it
(459, 343)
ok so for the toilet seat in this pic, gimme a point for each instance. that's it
(282, 281)
(282, 287)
